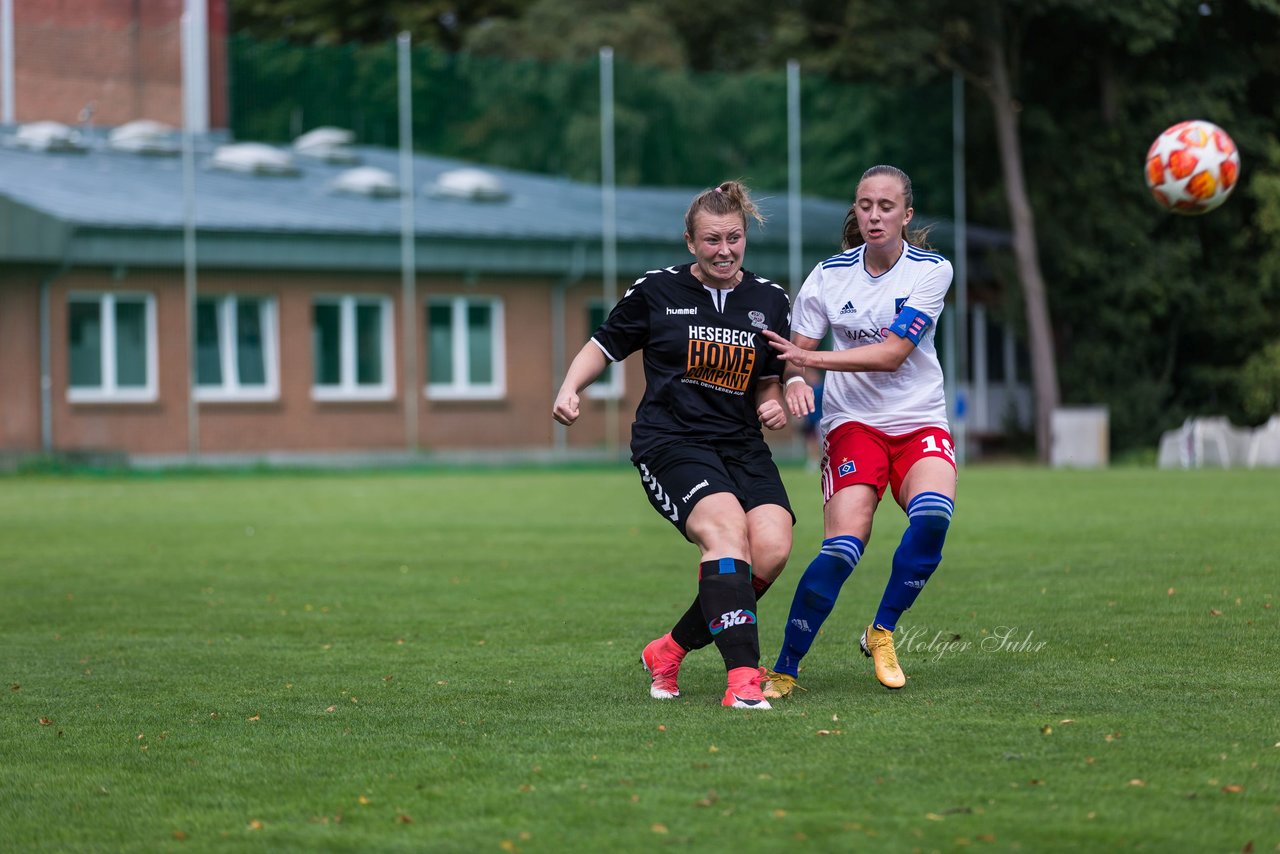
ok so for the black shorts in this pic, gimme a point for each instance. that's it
(676, 477)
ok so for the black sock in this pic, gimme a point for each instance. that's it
(729, 610)
(691, 632)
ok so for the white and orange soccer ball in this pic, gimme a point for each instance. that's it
(1192, 167)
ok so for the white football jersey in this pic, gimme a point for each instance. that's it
(840, 296)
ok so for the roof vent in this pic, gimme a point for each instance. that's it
(474, 185)
(143, 136)
(367, 181)
(330, 144)
(48, 136)
(253, 158)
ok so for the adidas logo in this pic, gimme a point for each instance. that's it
(848, 309)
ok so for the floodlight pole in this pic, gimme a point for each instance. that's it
(7, 62)
(608, 225)
(960, 267)
(190, 125)
(408, 254)
(795, 233)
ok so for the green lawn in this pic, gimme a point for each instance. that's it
(448, 661)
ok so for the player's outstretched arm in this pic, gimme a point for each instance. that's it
(888, 355)
(585, 369)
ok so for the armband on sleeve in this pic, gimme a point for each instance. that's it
(911, 324)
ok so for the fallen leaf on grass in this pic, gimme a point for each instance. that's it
(254, 717)
(1136, 782)
(1233, 788)
(15, 687)
(45, 722)
(364, 801)
(659, 828)
(709, 801)
(403, 819)
(662, 727)
(255, 825)
(779, 813)
(830, 732)
(332, 709)
(1046, 730)
(713, 749)
(179, 835)
(933, 816)
(1214, 612)
(508, 846)
(1066, 721)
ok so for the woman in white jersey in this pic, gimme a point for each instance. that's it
(884, 415)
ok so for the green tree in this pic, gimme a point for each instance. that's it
(444, 23)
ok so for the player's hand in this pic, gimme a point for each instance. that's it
(772, 415)
(566, 409)
(800, 399)
(787, 351)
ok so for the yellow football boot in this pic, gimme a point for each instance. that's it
(877, 644)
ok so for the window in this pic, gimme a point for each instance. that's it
(236, 348)
(351, 346)
(610, 383)
(111, 338)
(465, 352)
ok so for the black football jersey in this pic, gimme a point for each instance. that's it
(704, 355)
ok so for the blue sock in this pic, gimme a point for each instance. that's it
(815, 597)
(918, 555)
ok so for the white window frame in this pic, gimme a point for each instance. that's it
(616, 385)
(109, 391)
(347, 388)
(459, 388)
(230, 390)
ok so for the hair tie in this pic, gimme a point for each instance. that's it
(718, 190)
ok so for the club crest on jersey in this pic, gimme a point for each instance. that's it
(757, 319)
(898, 303)
(729, 619)
(846, 468)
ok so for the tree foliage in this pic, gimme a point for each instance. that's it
(1156, 316)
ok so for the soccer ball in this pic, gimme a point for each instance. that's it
(1192, 167)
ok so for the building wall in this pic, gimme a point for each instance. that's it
(19, 361)
(122, 57)
(159, 427)
(294, 421)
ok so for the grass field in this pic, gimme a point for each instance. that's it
(448, 661)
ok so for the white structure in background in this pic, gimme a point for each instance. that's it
(475, 185)
(328, 144)
(48, 136)
(144, 136)
(367, 181)
(253, 158)
(1080, 437)
(1216, 442)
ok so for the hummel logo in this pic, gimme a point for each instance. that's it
(848, 309)
(693, 310)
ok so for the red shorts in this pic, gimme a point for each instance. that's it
(855, 453)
